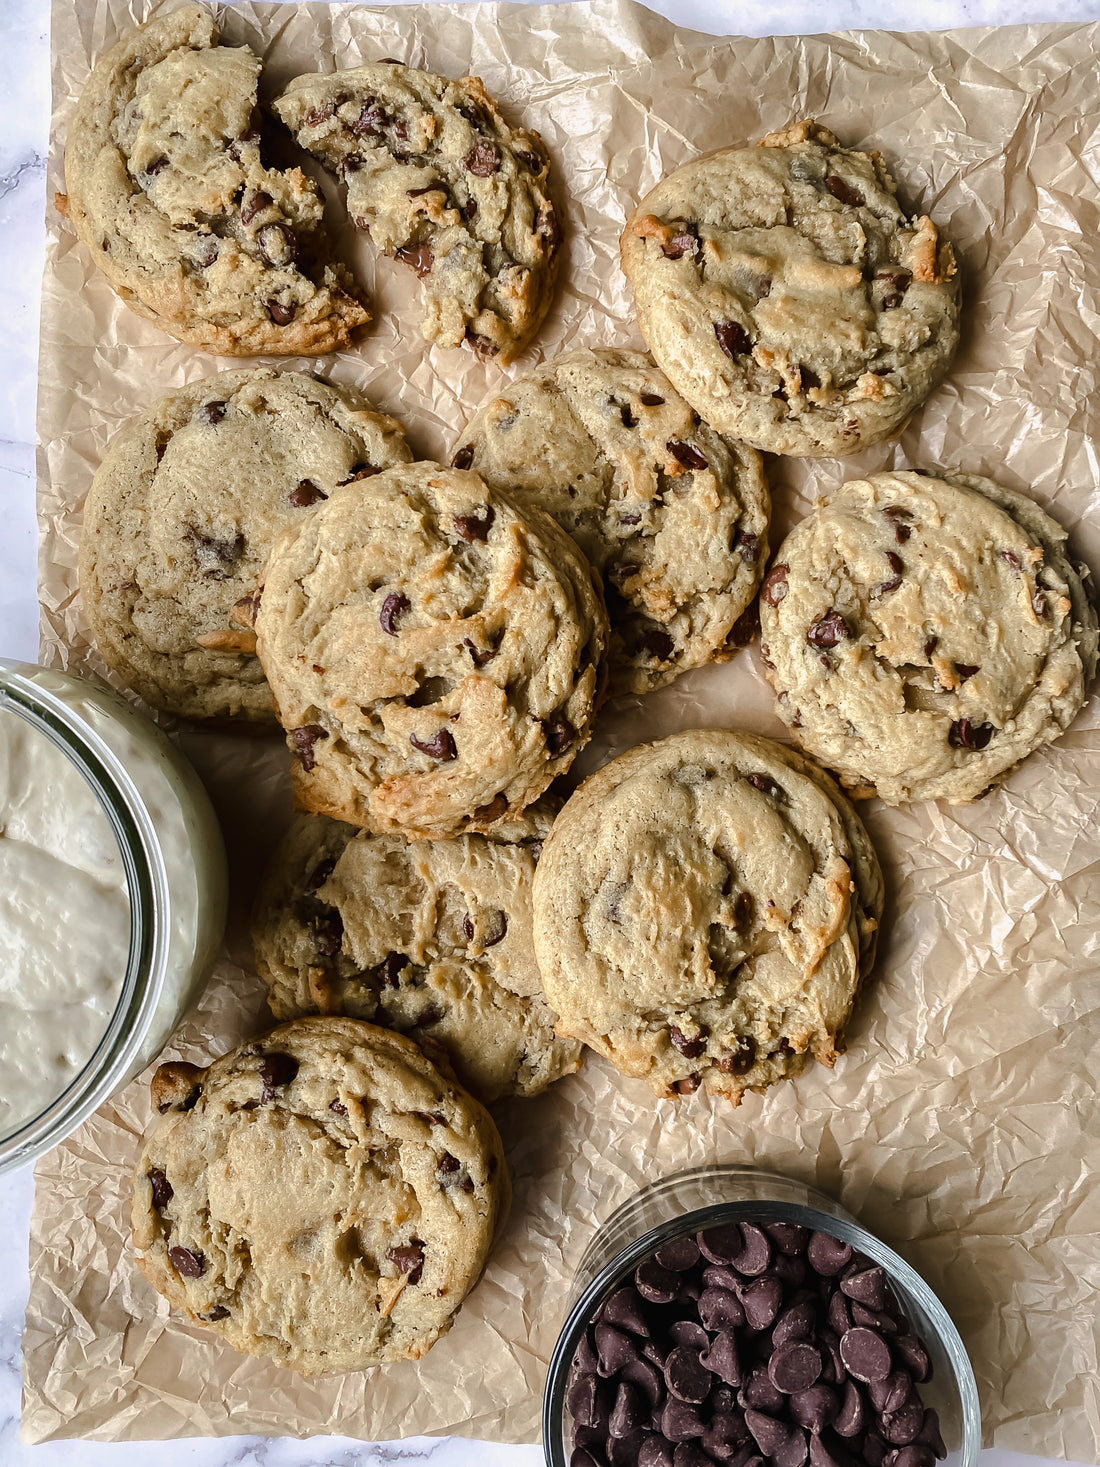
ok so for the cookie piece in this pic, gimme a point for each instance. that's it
(168, 192)
(704, 910)
(924, 635)
(431, 938)
(181, 516)
(435, 654)
(787, 295)
(674, 517)
(440, 181)
(324, 1196)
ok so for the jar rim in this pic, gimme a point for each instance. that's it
(696, 1219)
(22, 695)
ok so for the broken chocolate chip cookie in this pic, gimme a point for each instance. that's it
(440, 181)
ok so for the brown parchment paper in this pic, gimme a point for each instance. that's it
(963, 1123)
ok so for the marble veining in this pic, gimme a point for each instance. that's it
(24, 130)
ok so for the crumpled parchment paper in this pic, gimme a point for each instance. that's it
(963, 1124)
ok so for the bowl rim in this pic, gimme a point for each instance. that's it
(844, 1227)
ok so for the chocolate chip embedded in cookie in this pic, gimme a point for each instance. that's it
(704, 910)
(168, 191)
(930, 634)
(435, 654)
(181, 516)
(327, 1200)
(788, 297)
(439, 180)
(675, 517)
(432, 938)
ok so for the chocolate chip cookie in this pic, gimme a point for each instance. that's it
(924, 635)
(704, 910)
(183, 512)
(324, 1196)
(674, 517)
(169, 192)
(788, 296)
(435, 654)
(439, 180)
(431, 938)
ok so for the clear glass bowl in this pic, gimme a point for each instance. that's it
(690, 1201)
(174, 862)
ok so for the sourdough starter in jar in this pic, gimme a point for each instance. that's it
(64, 921)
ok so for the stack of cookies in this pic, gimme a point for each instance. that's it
(438, 930)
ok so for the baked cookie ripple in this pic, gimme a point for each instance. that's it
(435, 654)
(182, 514)
(168, 191)
(924, 635)
(705, 908)
(431, 938)
(672, 515)
(438, 178)
(324, 1196)
(788, 297)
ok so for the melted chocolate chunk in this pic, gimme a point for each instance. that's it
(391, 967)
(211, 413)
(441, 746)
(494, 810)
(256, 203)
(188, 1263)
(844, 192)
(897, 566)
(775, 585)
(686, 454)
(898, 517)
(215, 554)
(473, 527)
(629, 420)
(308, 492)
(482, 160)
(829, 631)
(967, 735)
(733, 338)
(162, 1189)
(767, 786)
(463, 458)
(276, 1071)
(691, 1047)
(650, 399)
(684, 242)
(304, 739)
(393, 608)
(740, 1060)
(281, 314)
(419, 257)
(747, 545)
(479, 655)
(559, 734)
(409, 1258)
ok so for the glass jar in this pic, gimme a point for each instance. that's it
(169, 884)
(708, 1196)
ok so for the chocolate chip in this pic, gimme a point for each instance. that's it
(725, 1435)
(688, 1085)
(305, 494)
(740, 1060)
(914, 1455)
(966, 735)
(929, 1434)
(162, 1189)
(691, 1047)
(559, 734)
(393, 607)
(277, 244)
(827, 1255)
(276, 1071)
(1011, 559)
(390, 968)
(689, 1454)
(684, 242)
(890, 1393)
(656, 1284)
(188, 1263)
(829, 631)
(256, 203)
(844, 192)
(419, 257)
(814, 1407)
(650, 399)
(408, 1258)
(721, 1309)
(211, 413)
(482, 160)
(794, 1366)
(614, 1349)
(769, 1434)
(849, 1420)
(211, 1316)
(733, 338)
(721, 1244)
(868, 1286)
(281, 314)
(897, 566)
(681, 1420)
(372, 118)
(761, 1301)
(840, 1314)
(624, 1310)
(479, 655)
(913, 1356)
(789, 1238)
(795, 1323)
(866, 1355)
(826, 1451)
(472, 527)
(679, 1254)
(747, 545)
(723, 1357)
(688, 1332)
(463, 458)
(685, 1376)
(304, 739)
(901, 1427)
(756, 1253)
(897, 517)
(686, 454)
(441, 746)
(775, 585)
(630, 1412)
(1039, 605)
(655, 1452)
(586, 1399)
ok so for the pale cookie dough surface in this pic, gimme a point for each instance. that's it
(925, 635)
(324, 1196)
(183, 512)
(435, 654)
(672, 515)
(438, 178)
(168, 191)
(788, 297)
(432, 938)
(702, 915)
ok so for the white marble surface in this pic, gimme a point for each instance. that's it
(24, 128)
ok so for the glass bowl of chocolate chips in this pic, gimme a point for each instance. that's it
(731, 1317)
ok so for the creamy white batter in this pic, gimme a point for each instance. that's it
(64, 921)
